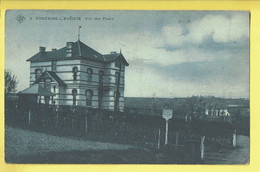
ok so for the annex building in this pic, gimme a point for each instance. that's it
(78, 75)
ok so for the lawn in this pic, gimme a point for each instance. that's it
(24, 146)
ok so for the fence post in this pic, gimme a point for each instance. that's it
(72, 127)
(64, 124)
(56, 122)
(159, 138)
(86, 125)
(29, 116)
(202, 139)
(177, 139)
(234, 139)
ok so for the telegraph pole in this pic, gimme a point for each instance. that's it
(79, 32)
(118, 85)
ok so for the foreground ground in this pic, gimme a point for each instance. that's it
(24, 146)
(239, 155)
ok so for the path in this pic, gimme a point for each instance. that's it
(240, 155)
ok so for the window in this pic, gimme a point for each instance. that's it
(40, 99)
(117, 95)
(54, 89)
(101, 74)
(100, 98)
(54, 66)
(74, 94)
(89, 95)
(47, 84)
(116, 75)
(46, 99)
(118, 63)
(38, 72)
(89, 74)
(75, 71)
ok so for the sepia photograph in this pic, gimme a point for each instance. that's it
(127, 87)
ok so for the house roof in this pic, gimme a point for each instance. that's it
(113, 57)
(53, 75)
(80, 50)
(36, 89)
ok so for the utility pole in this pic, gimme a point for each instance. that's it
(79, 33)
(116, 108)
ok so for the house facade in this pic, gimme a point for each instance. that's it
(78, 75)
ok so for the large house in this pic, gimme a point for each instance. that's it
(78, 75)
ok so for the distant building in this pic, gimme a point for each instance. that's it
(78, 75)
(217, 112)
(239, 110)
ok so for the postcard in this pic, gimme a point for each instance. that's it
(127, 87)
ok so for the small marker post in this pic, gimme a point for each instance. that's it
(167, 114)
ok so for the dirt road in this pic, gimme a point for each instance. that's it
(239, 155)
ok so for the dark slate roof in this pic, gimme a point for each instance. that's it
(113, 57)
(36, 89)
(53, 75)
(80, 50)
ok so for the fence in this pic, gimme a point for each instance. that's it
(184, 135)
(95, 124)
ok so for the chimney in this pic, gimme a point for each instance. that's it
(54, 49)
(69, 49)
(113, 52)
(42, 49)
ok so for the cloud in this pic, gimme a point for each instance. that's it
(202, 39)
(171, 53)
(147, 47)
(220, 28)
(145, 81)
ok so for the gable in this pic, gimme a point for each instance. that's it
(115, 57)
(52, 75)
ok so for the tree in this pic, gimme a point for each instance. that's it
(195, 106)
(10, 82)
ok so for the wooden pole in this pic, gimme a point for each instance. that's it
(86, 125)
(116, 103)
(159, 138)
(202, 150)
(235, 139)
(29, 117)
(166, 132)
(72, 123)
(177, 139)
(56, 122)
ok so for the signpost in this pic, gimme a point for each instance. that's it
(167, 114)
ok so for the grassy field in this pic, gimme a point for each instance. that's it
(23, 146)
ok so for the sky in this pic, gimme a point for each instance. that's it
(170, 53)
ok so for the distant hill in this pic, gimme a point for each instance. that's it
(176, 103)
